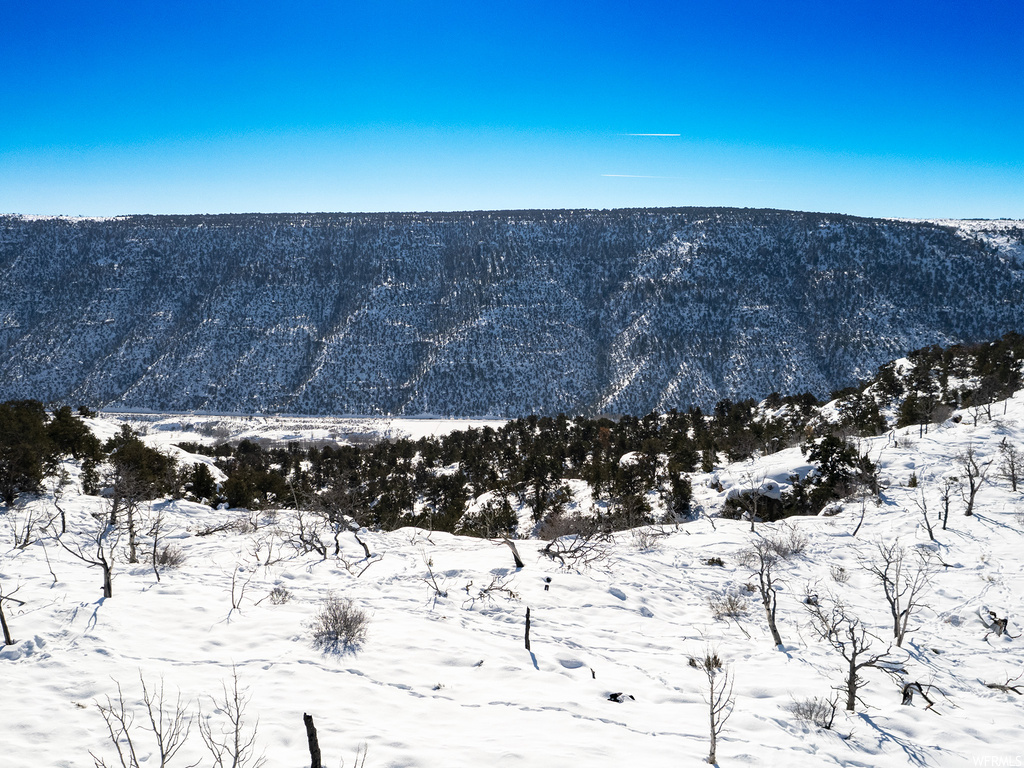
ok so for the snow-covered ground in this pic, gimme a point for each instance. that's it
(166, 429)
(445, 680)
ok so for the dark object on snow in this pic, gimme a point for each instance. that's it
(618, 697)
(908, 694)
(515, 553)
(314, 743)
(998, 626)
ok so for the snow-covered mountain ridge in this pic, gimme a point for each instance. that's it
(485, 313)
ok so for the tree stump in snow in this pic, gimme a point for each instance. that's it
(314, 744)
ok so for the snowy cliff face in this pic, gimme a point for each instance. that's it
(500, 313)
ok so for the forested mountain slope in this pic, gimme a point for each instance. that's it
(485, 313)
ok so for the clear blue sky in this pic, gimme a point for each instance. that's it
(874, 108)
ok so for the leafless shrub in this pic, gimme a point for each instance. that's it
(921, 502)
(817, 711)
(359, 761)
(648, 538)
(788, 541)
(27, 523)
(561, 524)
(437, 586)
(248, 524)
(339, 626)
(266, 550)
(280, 595)
(221, 527)
(498, 587)
(715, 561)
(241, 577)
(578, 551)
(214, 429)
(170, 556)
(727, 606)
(839, 574)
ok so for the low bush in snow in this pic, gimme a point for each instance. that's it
(339, 626)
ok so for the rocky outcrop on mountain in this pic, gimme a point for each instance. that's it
(485, 313)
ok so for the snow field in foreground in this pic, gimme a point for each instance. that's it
(445, 681)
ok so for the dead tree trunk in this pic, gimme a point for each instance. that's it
(314, 743)
(527, 629)
(515, 554)
(108, 575)
(3, 623)
(362, 543)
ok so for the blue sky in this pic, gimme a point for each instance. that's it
(873, 108)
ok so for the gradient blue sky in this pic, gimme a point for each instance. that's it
(874, 108)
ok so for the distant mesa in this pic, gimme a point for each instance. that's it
(499, 313)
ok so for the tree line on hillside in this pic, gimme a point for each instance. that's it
(474, 481)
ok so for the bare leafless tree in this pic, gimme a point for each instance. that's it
(848, 637)
(904, 580)
(339, 510)
(308, 532)
(129, 494)
(946, 496)
(241, 576)
(169, 722)
(61, 480)
(99, 550)
(1011, 465)
(922, 505)
(750, 494)
(233, 743)
(763, 559)
(863, 494)
(718, 694)
(7, 597)
(119, 720)
(156, 523)
(974, 473)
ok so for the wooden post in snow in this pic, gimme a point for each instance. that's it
(314, 744)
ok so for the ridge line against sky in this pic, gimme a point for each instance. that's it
(868, 108)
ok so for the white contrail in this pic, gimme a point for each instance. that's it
(654, 134)
(634, 176)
